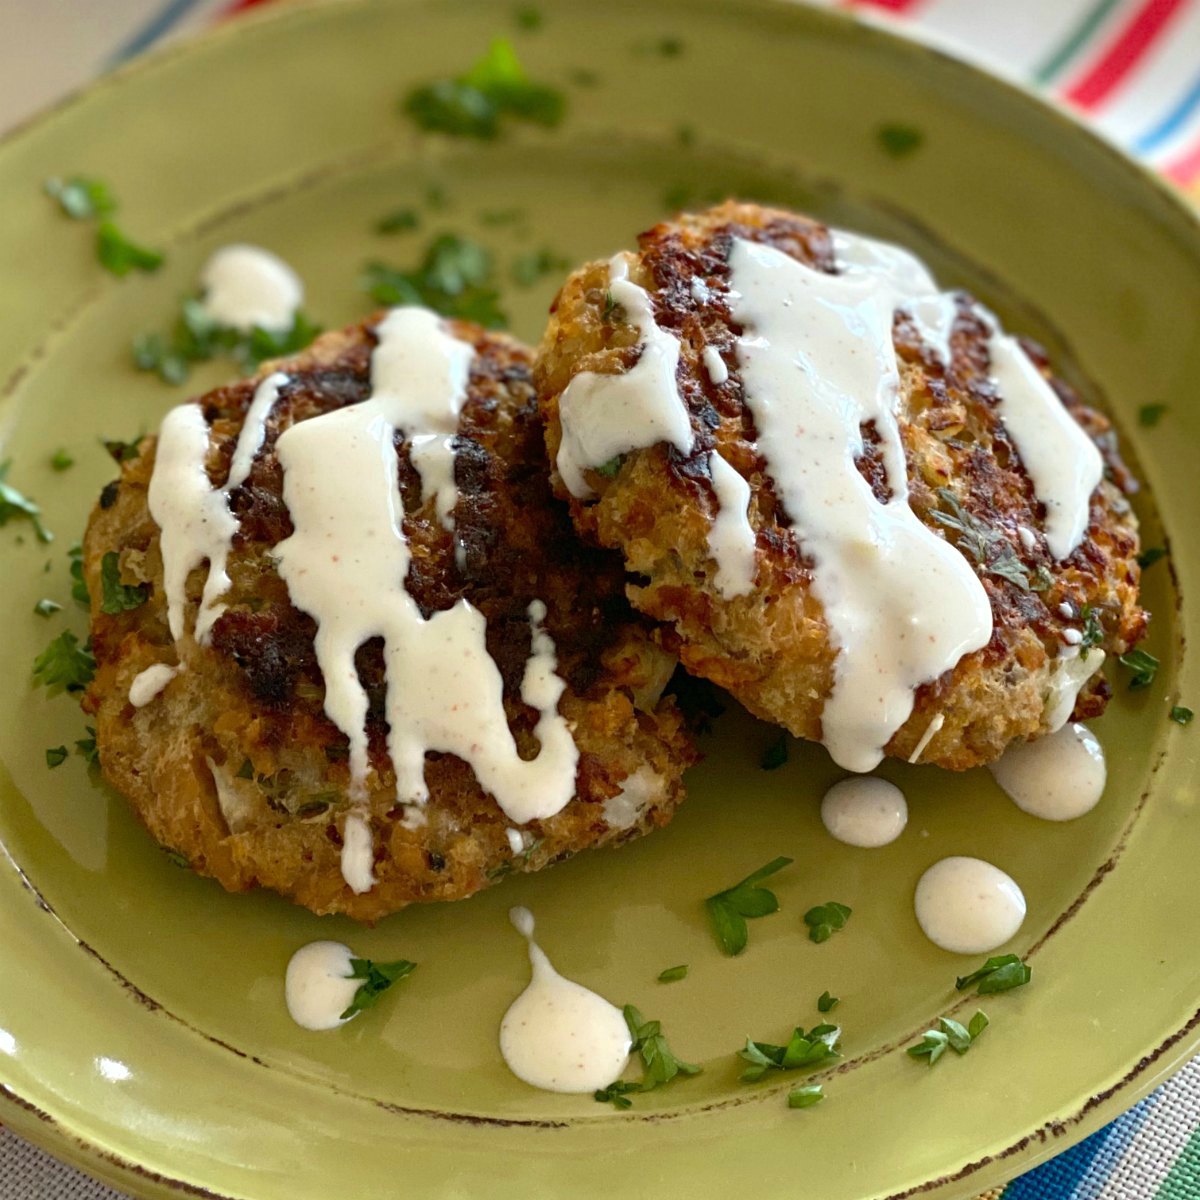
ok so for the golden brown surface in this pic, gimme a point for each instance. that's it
(249, 708)
(771, 648)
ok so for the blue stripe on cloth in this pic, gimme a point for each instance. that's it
(158, 26)
(1188, 103)
(1060, 1178)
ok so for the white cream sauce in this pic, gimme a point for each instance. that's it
(1069, 671)
(638, 792)
(968, 906)
(245, 286)
(864, 811)
(318, 987)
(557, 1035)
(193, 517)
(1062, 461)
(731, 538)
(903, 605)
(714, 364)
(604, 416)
(358, 852)
(148, 683)
(931, 731)
(346, 562)
(1057, 778)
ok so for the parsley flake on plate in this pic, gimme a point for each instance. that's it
(1001, 973)
(826, 919)
(377, 978)
(65, 664)
(660, 1063)
(803, 1050)
(1181, 715)
(119, 255)
(86, 748)
(898, 140)
(14, 504)
(728, 910)
(617, 1094)
(474, 104)
(1143, 666)
(806, 1097)
(399, 221)
(673, 974)
(79, 590)
(1151, 555)
(949, 1035)
(118, 597)
(56, 756)
(1149, 415)
(828, 1003)
(81, 198)
(60, 460)
(454, 278)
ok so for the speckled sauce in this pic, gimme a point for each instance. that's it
(864, 811)
(968, 906)
(1057, 778)
(557, 1035)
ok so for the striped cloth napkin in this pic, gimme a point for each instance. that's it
(1132, 67)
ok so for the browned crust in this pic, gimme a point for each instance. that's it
(771, 648)
(253, 700)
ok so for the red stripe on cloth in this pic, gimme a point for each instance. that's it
(237, 6)
(1131, 42)
(1185, 170)
(892, 6)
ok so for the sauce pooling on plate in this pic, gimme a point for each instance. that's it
(1057, 778)
(557, 1035)
(318, 986)
(968, 906)
(864, 812)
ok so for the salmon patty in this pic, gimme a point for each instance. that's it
(232, 761)
(770, 643)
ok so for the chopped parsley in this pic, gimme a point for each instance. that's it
(474, 105)
(1093, 631)
(60, 460)
(617, 1094)
(728, 910)
(1151, 555)
(123, 452)
(608, 313)
(197, 338)
(1181, 715)
(806, 1097)
(1143, 666)
(86, 748)
(118, 255)
(400, 221)
(660, 1063)
(455, 278)
(776, 754)
(609, 469)
(14, 504)
(46, 607)
(825, 920)
(949, 1035)
(828, 1003)
(672, 974)
(528, 18)
(78, 583)
(899, 140)
(986, 545)
(65, 664)
(1149, 415)
(56, 756)
(118, 597)
(802, 1051)
(999, 974)
(377, 978)
(533, 265)
(81, 198)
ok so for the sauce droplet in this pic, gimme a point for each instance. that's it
(557, 1035)
(318, 987)
(968, 906)
(865, 812)
(1057, 778)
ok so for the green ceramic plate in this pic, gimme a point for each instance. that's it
(142, 1026)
